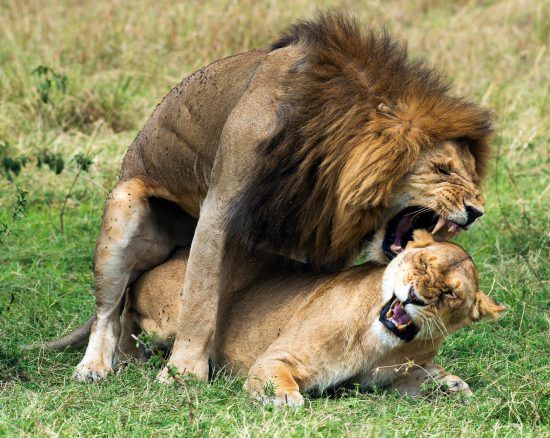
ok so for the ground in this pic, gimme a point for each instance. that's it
(119, 59)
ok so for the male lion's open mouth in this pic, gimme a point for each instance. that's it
(399, 229)
(397, 320)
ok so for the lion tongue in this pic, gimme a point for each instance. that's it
(399, 315)
(403, 226)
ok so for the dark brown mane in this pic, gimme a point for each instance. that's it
(358, 112)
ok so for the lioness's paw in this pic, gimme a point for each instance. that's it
(198, 370)
(292, 399)
(90, 372)
(454, 384)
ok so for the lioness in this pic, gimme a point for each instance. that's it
(295, 331)
(326, 143)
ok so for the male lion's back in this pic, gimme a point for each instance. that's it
(177, 146)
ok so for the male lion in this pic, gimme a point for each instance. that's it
(292, 331)
(327, 142)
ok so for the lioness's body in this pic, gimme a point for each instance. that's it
(306, 149)
(292, 328)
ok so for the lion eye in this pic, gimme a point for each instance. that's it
(442, 170)
(447, 292)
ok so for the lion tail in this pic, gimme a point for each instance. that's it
(78, 338)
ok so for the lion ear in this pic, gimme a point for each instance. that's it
(421, 239)
(486, 308)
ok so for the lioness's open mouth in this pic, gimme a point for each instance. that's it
(397, 320)
(399, 229)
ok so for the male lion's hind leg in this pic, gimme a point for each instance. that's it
(272, 382)
(412, 383)
(135, 236)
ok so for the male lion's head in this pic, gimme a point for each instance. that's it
(441, 193)
(370, 145)
(431, 289)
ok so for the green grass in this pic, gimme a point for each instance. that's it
(119, 62)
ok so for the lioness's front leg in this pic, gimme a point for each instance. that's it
(412, 381)
(273, 381)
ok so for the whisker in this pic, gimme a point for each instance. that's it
(419, 211)
(442, 324)
(429, 325)
(437, 324)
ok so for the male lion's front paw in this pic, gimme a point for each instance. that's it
(92, 371)
(164, 376)
(197, 369)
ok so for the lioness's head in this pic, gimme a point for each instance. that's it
(431, 289)
(441, 193)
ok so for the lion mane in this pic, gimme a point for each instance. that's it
(356, 115)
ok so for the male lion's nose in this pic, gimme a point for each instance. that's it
(473, 213)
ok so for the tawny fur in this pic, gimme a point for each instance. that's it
(307, 147)
(356, 116)
(292, 328)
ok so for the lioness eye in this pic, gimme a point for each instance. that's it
(442, 170)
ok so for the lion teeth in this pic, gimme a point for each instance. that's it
(401, 327)
(396, 248)
(440, 223)
(453, 228)
(389, 314)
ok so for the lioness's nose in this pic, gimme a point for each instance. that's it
(473, 213)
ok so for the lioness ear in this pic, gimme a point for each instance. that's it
(486, 308)
(421, 238)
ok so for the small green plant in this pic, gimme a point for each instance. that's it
(82, 161)
(53, 160)
(269, 388)
(11, 165)
(49, 81)
(181, 379)
(146, 340)
(18, 212)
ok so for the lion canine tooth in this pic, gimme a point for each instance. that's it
(395, 248)
(440, 223)
(401, 327)
(389, 314)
